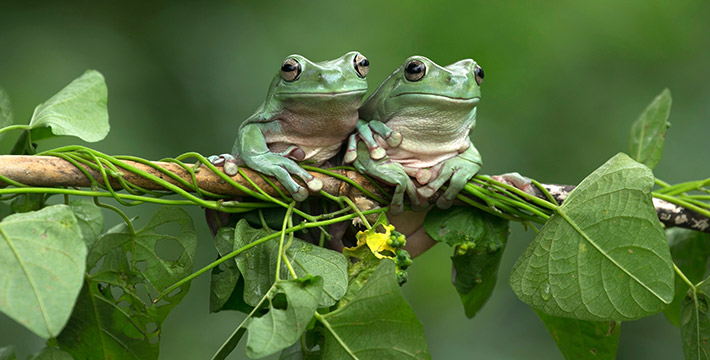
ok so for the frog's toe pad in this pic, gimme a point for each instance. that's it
(350, 156)
(377, 153)
(314, 184)
(426, 192)
(230, 167)
(443, 203)
(395, 139)
(301, 194)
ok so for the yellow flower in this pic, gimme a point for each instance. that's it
(377, 242)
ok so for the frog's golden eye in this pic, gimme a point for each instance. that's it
(290, 70)
(362, 65)
(478, 71)
(415, 70)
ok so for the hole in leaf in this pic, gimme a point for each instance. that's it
(280, 302)
(171, 229)
(143, 293)
(380, 229)
(168, 249)
(151, 327)
(142, 266)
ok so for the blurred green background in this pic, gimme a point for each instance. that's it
(564, 81)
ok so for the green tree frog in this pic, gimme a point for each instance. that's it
(416, 125)
(310, 109)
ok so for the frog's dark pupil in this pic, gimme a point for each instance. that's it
(479, 72)
(288, 67)
(364, 62)
(414, 67)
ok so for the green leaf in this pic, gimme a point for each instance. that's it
(7, 353)
(603, 255)
(377, 324)
(42, 263)
(695, 323)
(50, 353)
(258, 265)
(77, 110)
(115, 316)
(580, 339)
(480, 239)
(455, 226)
(282, 326)
(6, 116)
(690, 251)
(104, 327)
(647, 133)
(223, 278)
(90, 218)
(170, 226)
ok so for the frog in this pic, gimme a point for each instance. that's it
(310, 110)
(429, 110)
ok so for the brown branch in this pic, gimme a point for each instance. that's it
(48, 171)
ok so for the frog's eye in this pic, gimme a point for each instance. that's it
(290, 70)
(362, 65)
(478, 71)
(415, 70)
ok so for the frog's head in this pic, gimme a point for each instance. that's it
(421, 85)
(299, 77)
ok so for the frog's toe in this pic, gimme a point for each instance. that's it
(300, 195)
(377, 153)
(426, 191)
(230, 167)
(397, 207)
(314, 184)
(350, 156)
(443, 203)
(515, 179)
(394, 139)
(424, 176)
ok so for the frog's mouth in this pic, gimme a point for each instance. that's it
(470, 100)
(324, 94)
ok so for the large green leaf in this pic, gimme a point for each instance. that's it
(42, 263)
(690, 251)
(580, 339)
(377, 324)
(6, 116)
(77, 110)
(258, 265)
(282, 326)
(479, 239)
(695, 323)
(603, 255)
(223, 279)
(107, 327)
(116, 316)
(90, 218)
(647, 133)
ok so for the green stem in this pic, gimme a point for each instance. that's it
(281, 240)
(684, 278)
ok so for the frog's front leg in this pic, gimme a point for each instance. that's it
(391, 173)
(457, 171)
(366, 131)
(251, 146)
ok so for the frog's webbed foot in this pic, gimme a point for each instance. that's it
(229, 163)
(366, 131)
(282, 168)
(391, 173)
(516, 180)
(457, 171)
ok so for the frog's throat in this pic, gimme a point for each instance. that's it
(474, 99)
(324, 94)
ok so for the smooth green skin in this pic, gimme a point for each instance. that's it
(305, 120)
(434, 117)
